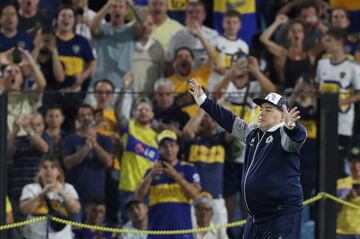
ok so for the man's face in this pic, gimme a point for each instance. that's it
(339, 19)
(164, 97)
(240, 78)
(13, 78)
(183, 63)
(196, 13)
(118, 12)
(86, 117)
(37, 124)
(231, 25)
(158, 7)
(269, 116)
(9, 18)
(29, 5)
(143, 113)
(307, 13)
(207, 125)
(355, 168)
(169, 150)
(66, 20)
(54, 118)
(148, 25)
(204, 213)
(330, 43)
(138, 212)
(104, 94)
(96, 213)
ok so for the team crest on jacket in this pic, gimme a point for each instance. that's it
(269, 139)
(252, 142)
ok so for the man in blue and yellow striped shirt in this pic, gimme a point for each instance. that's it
(170, 184)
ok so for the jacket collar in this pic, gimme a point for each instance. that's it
(272, 129)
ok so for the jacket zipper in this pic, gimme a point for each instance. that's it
(247, 172)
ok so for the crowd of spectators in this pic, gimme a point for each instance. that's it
(102, 129)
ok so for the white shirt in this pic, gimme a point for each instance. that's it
(184, 38)
(129, 225)
(226, 48)
(38, 230)
(212, 234)
(342, 78)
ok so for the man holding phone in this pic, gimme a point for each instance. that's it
(348, 219)
(171, 184)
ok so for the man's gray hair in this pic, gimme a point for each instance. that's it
(163, 81)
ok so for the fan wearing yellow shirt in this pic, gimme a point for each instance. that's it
(165, 27)
(104, 92)
(9, 211)
(105, 121)
(139, 145)
(183, 64)
(348, 219)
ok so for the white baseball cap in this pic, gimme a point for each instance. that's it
(272, 98)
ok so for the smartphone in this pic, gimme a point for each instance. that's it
(79, 12)
(16, 55)
(162, 160)
(240, 57)
(47, 29)
(356, 186)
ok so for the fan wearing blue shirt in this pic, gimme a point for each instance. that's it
(10, 36)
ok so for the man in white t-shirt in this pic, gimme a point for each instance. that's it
(84, 15)
(195, 13)
(338, 74)
(229, 44)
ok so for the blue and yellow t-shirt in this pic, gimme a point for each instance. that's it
(168, 200)
(140, 153)
(208, 155)
(348, 219)
(75, 53)
(353, 9)
(21, 39)
(183, 99)
(247, 8)
(8, 207)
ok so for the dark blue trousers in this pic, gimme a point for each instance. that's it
(287, 226)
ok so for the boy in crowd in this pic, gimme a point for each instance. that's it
(338, 74)
(230, 43)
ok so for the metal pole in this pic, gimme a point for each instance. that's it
(48, 221)
(3, 163)
(328, 164)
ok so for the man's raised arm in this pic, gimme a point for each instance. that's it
(227, 120)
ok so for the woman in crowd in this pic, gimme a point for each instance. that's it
(293, 61)
(49, 195)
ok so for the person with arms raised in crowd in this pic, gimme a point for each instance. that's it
(272, 152)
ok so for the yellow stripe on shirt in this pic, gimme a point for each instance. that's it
(165, 193)
(242, 6)
(201, 153)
